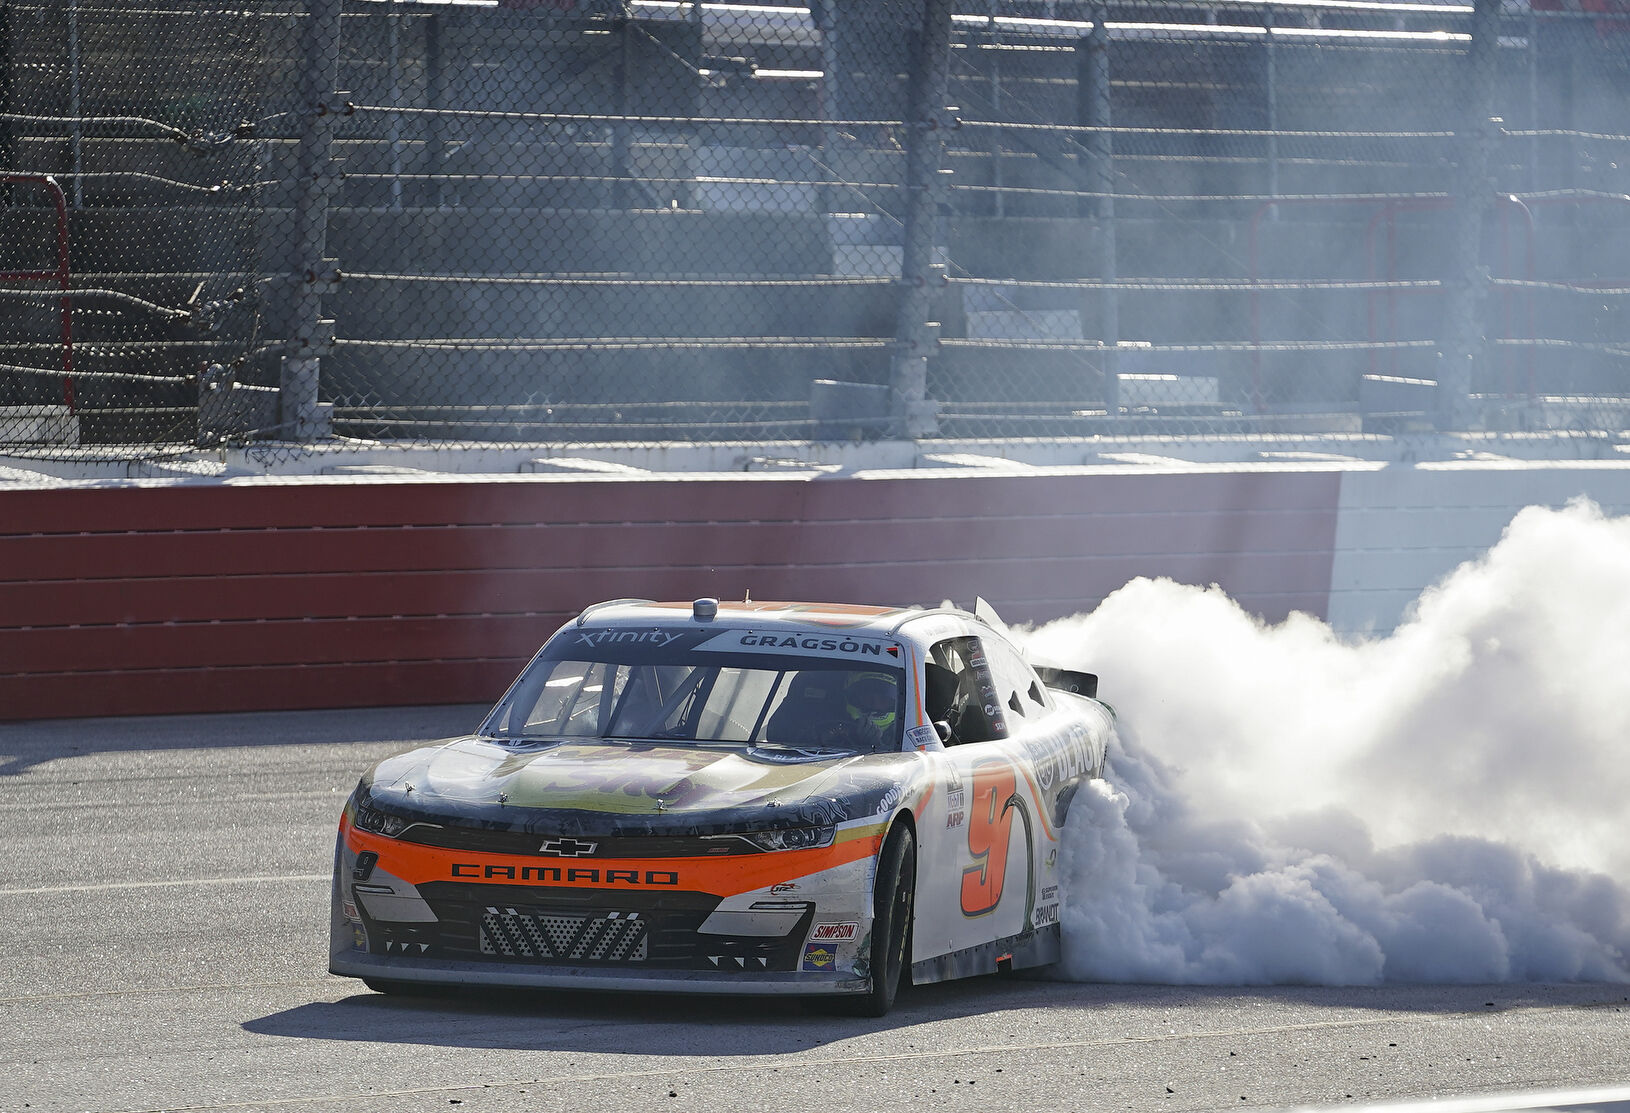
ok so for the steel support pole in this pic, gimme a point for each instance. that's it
(912, 413)
(1270, 84)
(8, 137)
(76, 140)
(622, 144)
(394, 128)
(435, 97)
(832, 108)
(1099, 180)
(302, 417)
(1467, 346)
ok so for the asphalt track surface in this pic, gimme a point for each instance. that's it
(164, 906)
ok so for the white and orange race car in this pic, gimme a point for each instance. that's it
(744, 798)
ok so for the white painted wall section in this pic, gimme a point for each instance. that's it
(1402, 528)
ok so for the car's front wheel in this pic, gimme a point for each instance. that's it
(893, 901)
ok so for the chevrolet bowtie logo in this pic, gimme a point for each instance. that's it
(567, 848)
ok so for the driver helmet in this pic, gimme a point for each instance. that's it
(872, 698)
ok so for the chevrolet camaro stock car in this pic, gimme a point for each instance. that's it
(740, 798)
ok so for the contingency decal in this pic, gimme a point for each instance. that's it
(1046, 912)
(955, 798)
(923, 738)
(819, 957)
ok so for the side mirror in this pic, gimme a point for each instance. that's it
(943, 729)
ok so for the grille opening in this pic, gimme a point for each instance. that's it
(544, 936)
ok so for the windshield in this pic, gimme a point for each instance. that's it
(811, 704)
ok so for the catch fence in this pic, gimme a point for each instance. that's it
(456, 222)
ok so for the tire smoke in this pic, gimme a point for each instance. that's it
(1443, 804)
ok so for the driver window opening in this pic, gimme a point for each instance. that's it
(960, 692)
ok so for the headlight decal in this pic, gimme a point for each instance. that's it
(792, 838)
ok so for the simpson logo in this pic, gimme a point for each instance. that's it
(833, 933)
(818, 956)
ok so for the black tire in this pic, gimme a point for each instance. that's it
(894, 899)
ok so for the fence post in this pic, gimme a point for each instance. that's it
(435, 98)
(1270, 89)
(1092, 91)
(302, 416)
(913, 415)
(1467, 345)
(8, 137)
(622, 76)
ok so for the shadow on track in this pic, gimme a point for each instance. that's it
(653, 1024)
(27, 744)
(637, 1024)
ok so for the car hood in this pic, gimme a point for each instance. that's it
(609, 788)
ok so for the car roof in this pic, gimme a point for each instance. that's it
(800, 616)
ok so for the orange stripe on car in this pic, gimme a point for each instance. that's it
(721, 876)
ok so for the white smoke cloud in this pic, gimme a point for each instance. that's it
(1445, 804)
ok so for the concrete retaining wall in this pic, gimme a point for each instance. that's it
(143, 597)
(1403, 528)
(317, 593)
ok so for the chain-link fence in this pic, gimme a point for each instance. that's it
(565, 221)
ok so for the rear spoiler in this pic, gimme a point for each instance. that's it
(1069, 680)
(1064, 680)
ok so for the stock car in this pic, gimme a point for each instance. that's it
(729, 798)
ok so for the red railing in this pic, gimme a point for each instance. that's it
(60, 274)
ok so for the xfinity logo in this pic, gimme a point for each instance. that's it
(567, 848)
(628, 637)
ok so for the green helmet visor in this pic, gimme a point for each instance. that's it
(874, 697)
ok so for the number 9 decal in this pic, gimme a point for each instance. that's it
(990, 823)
